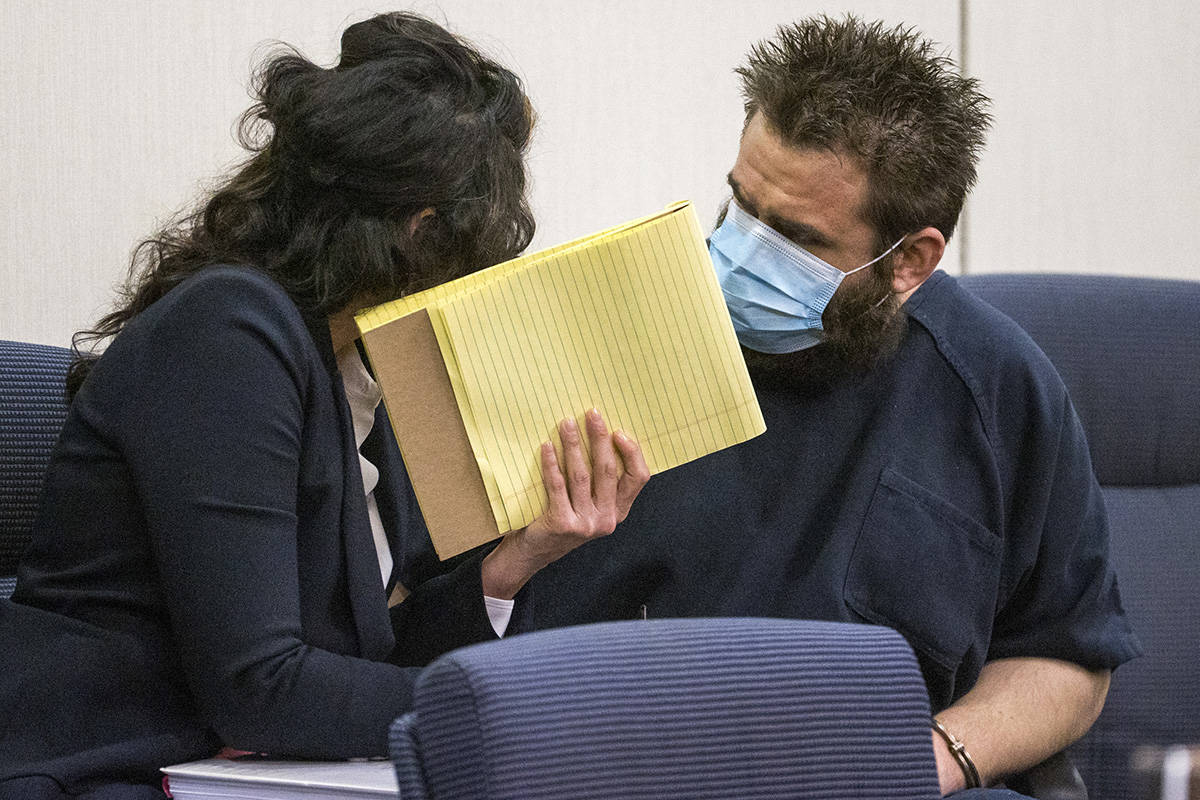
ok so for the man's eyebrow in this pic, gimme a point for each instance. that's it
(746, 205)
(799, 232)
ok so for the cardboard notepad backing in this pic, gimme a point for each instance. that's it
(477, 372)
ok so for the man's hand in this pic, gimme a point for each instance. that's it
(585, 503)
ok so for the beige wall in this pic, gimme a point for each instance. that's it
(1094, 164)
(114, 114)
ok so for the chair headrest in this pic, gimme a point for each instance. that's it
(677, 708)
(1128, 350)
(32, 410)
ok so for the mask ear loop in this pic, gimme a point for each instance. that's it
(872, 261)
(880, 256)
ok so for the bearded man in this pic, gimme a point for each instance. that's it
(923, 467)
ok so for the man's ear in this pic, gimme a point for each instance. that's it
(916, 258)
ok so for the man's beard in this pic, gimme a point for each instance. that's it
(862, 324)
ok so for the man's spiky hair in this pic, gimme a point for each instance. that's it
(883, 96)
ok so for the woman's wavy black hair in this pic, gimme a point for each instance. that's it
(343, 160)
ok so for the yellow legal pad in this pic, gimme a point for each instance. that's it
(629, 320)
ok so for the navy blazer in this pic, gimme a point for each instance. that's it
(202, 572)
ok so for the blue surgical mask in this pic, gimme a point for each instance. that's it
(776, 290)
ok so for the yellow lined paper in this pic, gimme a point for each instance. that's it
(629, 320)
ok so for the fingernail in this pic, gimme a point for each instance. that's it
(621, 435)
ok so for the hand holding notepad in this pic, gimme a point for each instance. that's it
(585, 501)
(477, 372)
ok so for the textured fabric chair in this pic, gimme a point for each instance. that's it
(1129, 352)
(32, 410)
(696, 708)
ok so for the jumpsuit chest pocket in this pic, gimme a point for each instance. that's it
(924, 567)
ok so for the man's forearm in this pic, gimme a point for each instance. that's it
(1020, 711)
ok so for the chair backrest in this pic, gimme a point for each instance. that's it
(1128, 350)
(32, 409)
(672, 709)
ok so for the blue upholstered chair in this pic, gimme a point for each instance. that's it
(32, 409)
(1129, 352)
(695, 708)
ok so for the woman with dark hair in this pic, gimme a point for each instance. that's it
(226, 513)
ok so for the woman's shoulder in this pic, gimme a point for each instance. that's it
(221, 301)
(223, 288)
(223, 319)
